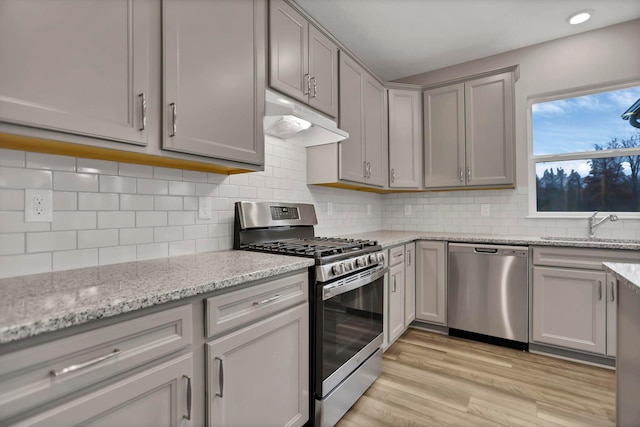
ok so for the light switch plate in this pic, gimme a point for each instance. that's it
(38, 205)
(205, 205)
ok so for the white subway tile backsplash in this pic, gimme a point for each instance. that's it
(134, 236)
(151, 219)
(98, 202)
(190, 204)
(12, 158)
(207, 245)
(51, 241)
(167, 234)
(12, 200)
(153, 250)
(25, 178)
(116, 219)
(138, 171)
(182, 188)
(215, 178)
(206, 190)
(166, 173)
(116, 255)
(13, 222)
(152, 186)
(12, 244)
(65, 201)
(184, 247)
(21, 265)
(194, 176)
(195, 232)
(167, 203)
(117, 184)
(97, 166)
(69, 181)
(51, 162)
(97, 238)
(69, 260)
(182, 218)
(74, 220)
(136, 202)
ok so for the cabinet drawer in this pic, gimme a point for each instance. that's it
(589, 259)
(42, 373)
(396, 255)
(236, 308)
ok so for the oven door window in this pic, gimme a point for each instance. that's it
(351, 321)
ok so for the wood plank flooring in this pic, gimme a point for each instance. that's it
(430, 379)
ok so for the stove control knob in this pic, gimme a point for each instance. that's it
(338, 269)
(361, 262)
(372, 258)
(348, 266)
(381, 257)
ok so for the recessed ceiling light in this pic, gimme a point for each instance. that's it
(580, 17)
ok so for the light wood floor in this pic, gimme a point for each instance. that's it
(430, 379)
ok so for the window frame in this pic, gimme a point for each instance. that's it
(583, 155)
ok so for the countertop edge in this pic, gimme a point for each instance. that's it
(629, 272)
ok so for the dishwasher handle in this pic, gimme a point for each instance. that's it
(485, 250)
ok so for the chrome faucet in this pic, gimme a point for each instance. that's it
(593, 223)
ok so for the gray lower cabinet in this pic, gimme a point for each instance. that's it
(431, 282)
(409, 283)
(469, 136)
(83, 68)
(612, 313)
(405, 138)
(214, 74)
(395, 313)
(158, 396)
(259, 375)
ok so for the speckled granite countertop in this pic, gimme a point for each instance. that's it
(32, 305)
(392, 238)
(625, 271)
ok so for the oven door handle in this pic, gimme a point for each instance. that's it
(332, 290)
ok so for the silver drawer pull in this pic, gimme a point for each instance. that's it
(95, 361)
(268, 300)
(613, 290)
(143, 110)
(599, 290)
(220, 378)
(188, 416)
(174, 119)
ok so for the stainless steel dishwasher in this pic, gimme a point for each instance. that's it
(488, 293)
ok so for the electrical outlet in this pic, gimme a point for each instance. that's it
(330, 208)
(205, 207)
(407, 210)
(38, 205)
(485, 210)
(369, 210)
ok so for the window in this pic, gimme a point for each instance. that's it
(585, 157)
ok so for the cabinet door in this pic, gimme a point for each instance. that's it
(405, 139)
(612, 312)
(409, 284)
(259, 375)
(323, 72)
(375, 132)
(83, 67)
(214, 63)
(395, 313)
(444, 137)
(489, 130)
(156, 397)
(288, 51)
(569, 308)
(431, 282)
(351, 160)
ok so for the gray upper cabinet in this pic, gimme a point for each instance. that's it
(362, 157)
(82, 68)
(469, 133)
(405, 138)
(214, 62)
(303, 62)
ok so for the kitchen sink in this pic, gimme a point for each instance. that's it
(593, 239)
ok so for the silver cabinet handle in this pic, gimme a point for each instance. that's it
(315, 87)
(86, 364)
(408, 258)
(599, 290)
(307, 86)
(394, 284)
(369, 169)
(461, 174)
(220, 378)
(143, 109)
(468, 174)
(613, 291)
(188, 416)
(174, 118)
(364, 168)
(393, 175)
(268, 300)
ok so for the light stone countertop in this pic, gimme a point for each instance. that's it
(625, 271)
(35, 304)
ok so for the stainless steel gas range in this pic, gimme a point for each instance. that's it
(346, 300)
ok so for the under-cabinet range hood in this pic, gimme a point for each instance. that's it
(290, 120)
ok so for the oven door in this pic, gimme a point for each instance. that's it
(349, 314)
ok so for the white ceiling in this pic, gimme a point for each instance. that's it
(400, 38)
